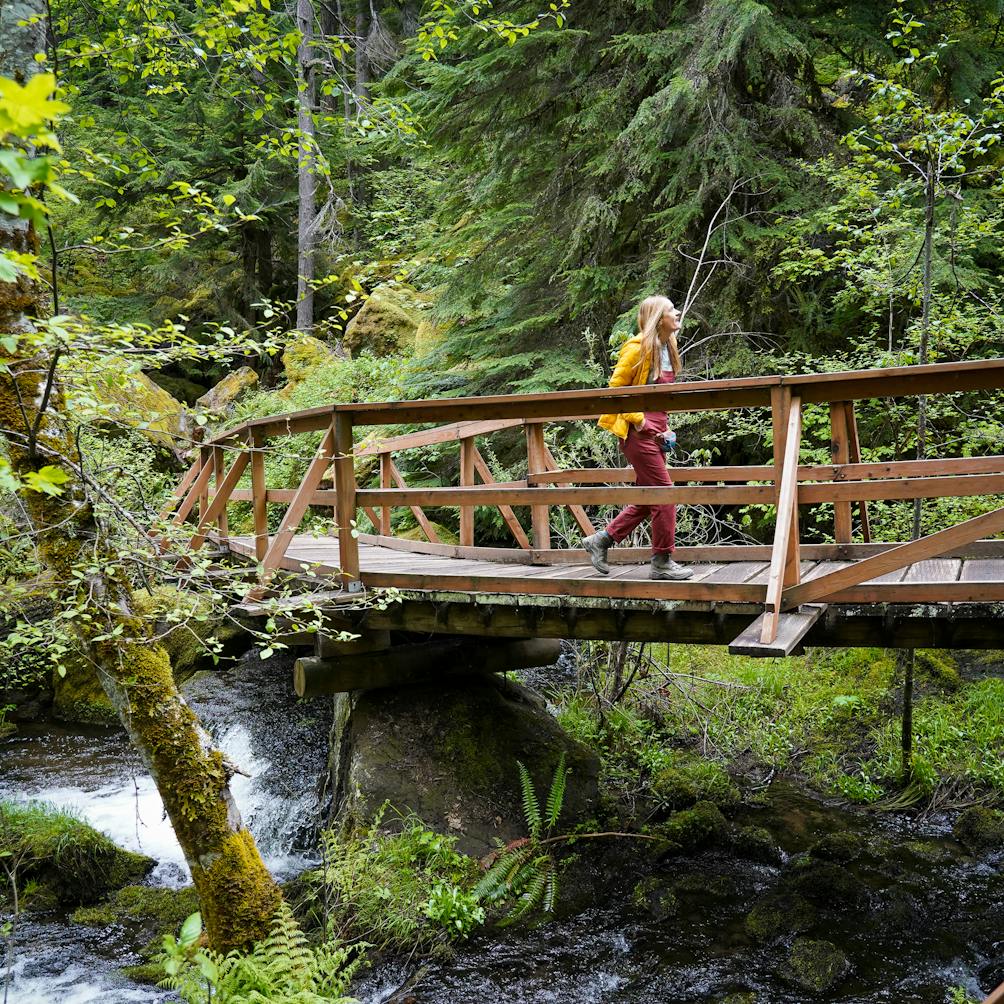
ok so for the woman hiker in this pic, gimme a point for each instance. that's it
(652, 356)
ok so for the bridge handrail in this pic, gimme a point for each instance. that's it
(784, 483)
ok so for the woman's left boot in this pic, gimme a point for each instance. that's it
(663, 567)
(596, 547)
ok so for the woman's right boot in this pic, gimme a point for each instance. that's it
(596, 547)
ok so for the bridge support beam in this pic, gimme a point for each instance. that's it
(424, 663)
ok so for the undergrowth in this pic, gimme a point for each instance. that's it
(832, 716)
(398, 891)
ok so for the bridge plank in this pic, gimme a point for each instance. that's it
(792, 627)
(738, 571)
(982, 570)
(934, 570)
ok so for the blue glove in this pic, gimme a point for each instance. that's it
(667, 442)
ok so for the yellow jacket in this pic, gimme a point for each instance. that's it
(631, 371)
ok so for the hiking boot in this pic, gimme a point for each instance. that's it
(663, 567)
(596, 547)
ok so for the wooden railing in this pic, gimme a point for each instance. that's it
(210, 485)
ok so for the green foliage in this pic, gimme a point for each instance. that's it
(400, 890)
(61, 857)
(524, 876)
(283, 968)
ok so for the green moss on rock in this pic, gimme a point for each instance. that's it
(388, 322)
(654, 897)
(828, 884)
(694, 829)
(980, 829)
(817, 965)
(939, 667)
(303, 355)
(777, 915)
(79, 697)
(693, 779)
(755, 843)
(221, 397)
(840, 847)
(166, 908)
(65, 860)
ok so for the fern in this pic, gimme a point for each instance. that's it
(531, 806)
(556, 796)
(280, 969)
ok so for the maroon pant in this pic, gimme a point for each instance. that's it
(649, 463)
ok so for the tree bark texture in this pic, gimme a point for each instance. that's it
(306, 168)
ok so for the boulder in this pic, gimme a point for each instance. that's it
(78, 695)
(980, 828)
(388, 322)
(778, 915)
(448, 753)
(63, 860)
(131, 398)
(303, 355)
(220, 398)
(817, 965)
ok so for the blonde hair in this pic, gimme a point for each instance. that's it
(650, 311)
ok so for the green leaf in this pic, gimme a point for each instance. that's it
(191, 930)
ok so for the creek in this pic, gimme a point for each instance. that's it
(915, 916)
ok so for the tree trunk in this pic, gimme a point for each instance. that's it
(237, 894)
(362, 81)
(306, 168)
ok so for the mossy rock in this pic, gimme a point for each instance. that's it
(693, 779)
(755, 843)
(778, 915)
(743, 997)
(221, 397)
(694, 829)
(131, 398)
(163, 908)
(654, 897)
(817, 965)
(445, 534)
(387, 323)
(939, 667)
(828, 885)
(79, 697)
(980, 829)
(448, 752)
(840, 847)
(64, 855)
(303, 355)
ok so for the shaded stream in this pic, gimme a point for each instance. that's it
(913, 913)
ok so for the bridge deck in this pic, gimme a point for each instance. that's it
(941, 580)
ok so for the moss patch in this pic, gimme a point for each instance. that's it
(62, 860)
(817, 965)
(779, 914)
(694, 829)
(79, 697)
(388, 322)
(980, 829)
(237, 893)
(166, 908)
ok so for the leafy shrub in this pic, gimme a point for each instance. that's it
(399, 890)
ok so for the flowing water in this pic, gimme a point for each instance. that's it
(922, 915)
(280, 743)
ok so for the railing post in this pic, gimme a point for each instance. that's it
(840, 453)
(784, 566)
(536, 463)
(386, 481)
(259, 494)
(466, 481)
(854, 447)
(219, 470)
(206, 453)
(345, 502)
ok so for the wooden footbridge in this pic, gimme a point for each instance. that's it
(942, 590)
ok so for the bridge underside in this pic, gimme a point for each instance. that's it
(949, 602)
